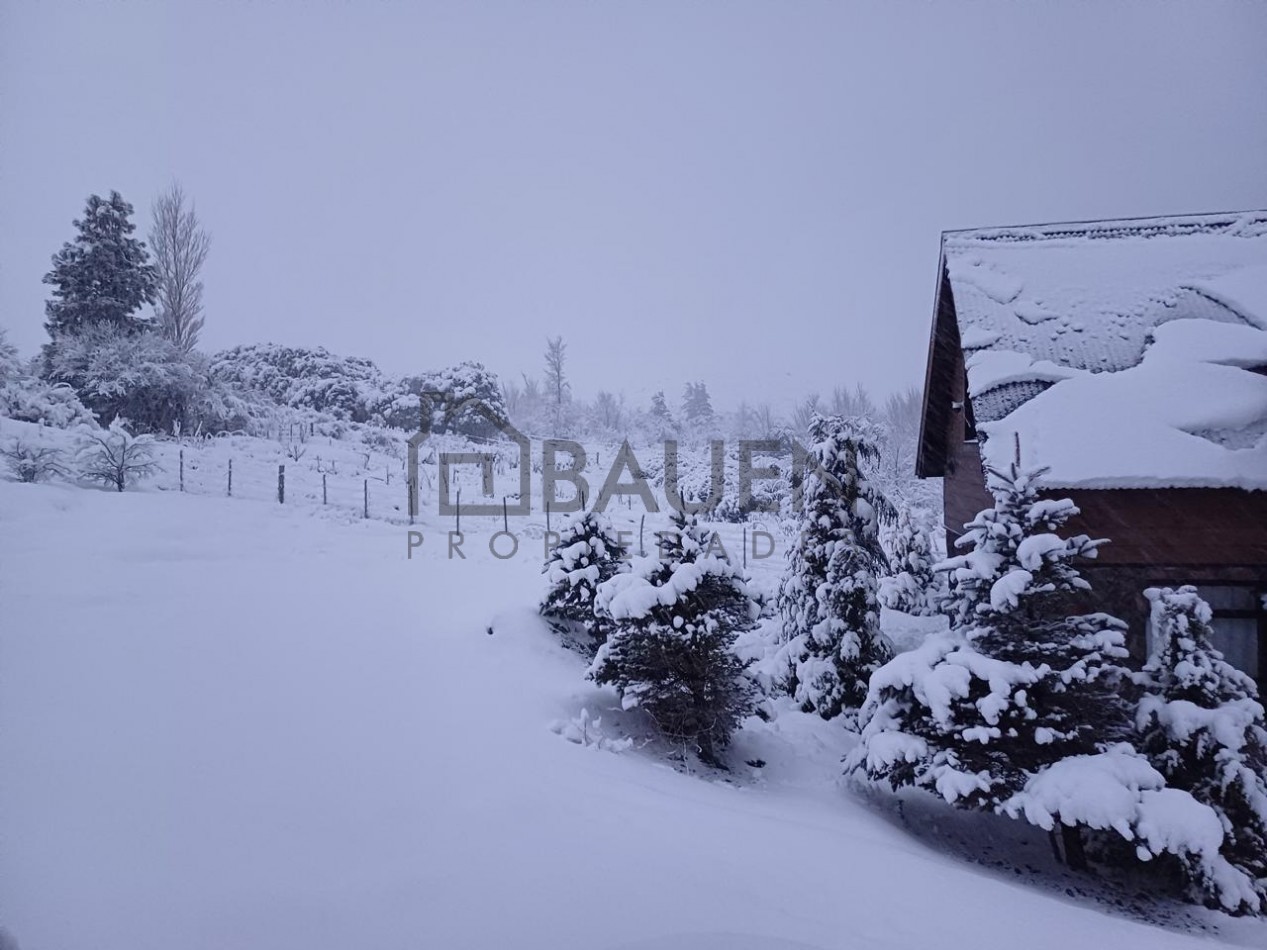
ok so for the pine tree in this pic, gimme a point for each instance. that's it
(1018, 683)
(10, 365)
(675, 619)
(697, 406)
(827, 598)
(661, 419)
(1202, 727)
(587, 554)
(104, 276)
(912, 586)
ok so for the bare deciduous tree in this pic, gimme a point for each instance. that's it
(766, 422)
(555, 379)
(179, 245)
(607, 407)
(115, 457)
(32, 463)
(852, 404)
(803, 413)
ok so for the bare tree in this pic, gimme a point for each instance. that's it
(556, 382)
(179, 245)
(853, 404)
(803, 413)
(766, 422)
(32, 463)
(608, 408)
(115, 457)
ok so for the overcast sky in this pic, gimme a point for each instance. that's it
(750, 194)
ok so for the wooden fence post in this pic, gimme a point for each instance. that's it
(366, 488)
(323, 489)
(182, 469)
(641, 523)
(230, 478)
(281, 484)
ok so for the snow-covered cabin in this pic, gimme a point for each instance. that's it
(1130, 358)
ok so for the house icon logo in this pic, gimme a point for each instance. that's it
(439, 413)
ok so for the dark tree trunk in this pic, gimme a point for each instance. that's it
(1075, 855)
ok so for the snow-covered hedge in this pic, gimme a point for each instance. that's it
(347, 387)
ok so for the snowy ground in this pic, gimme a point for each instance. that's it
(233, 724)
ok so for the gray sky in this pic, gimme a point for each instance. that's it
(750, 194)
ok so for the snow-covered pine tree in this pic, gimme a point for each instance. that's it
(1202, 727)
(10, 365)
(697, 407)
(587, 554)
(1018, 683)
(104, 276)
(661, 419)
(827, 598)
(675, 619)
(912, 586)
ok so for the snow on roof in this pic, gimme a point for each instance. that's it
(1132, 342)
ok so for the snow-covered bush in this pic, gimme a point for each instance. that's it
(912, 586)
(32, 463)
(33, 400)
(587, 730)
(587, 555)
(466, 399)
(669, 651)
(28, 399)
(145, 378)
(1117, 792)
(114, 456)
(347, 387)
(1017, 684)
(827, 599)
(1201, 726)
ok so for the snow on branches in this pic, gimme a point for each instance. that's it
(669, 651)
(827, 599)
(587, 554)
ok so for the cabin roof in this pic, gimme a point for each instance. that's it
(1123, 354)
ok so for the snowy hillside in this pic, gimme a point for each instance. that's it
(228, 723)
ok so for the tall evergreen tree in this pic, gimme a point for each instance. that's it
(1202, 727)
(587, 554)
(104, 275)
(1018, 683)
(912, 586)
(661, 418)
(675, 619)
(827, 598)
(697, 406)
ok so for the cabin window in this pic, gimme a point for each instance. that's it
(1239, 625)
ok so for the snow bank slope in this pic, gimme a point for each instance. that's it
(228, 724)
